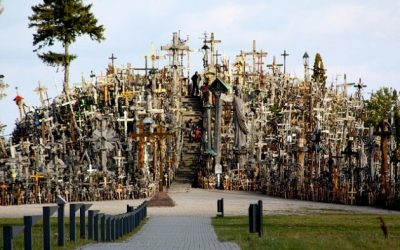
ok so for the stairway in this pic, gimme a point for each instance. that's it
(190, 150)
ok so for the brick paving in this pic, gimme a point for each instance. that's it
(172, 232)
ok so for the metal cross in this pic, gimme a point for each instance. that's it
(112, 58)
(284, 60)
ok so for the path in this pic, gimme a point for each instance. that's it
(172, 232)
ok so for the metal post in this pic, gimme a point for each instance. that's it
(7, 237)
(103, 227)
(46, 229)
(82, 221)
(60, 225)
(72, 209)
(90, 224)
(260, 218)
(252, 218)
(96, 228)
(112, 228)
(28, 232)
(108, 229)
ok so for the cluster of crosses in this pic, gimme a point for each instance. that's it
(290, 137)
(120, 135)
(115, 136)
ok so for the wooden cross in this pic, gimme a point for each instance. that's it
(274, 66)
(284, 60)
(41, 91)
(351, 196)
(36, 177)
(384, 132)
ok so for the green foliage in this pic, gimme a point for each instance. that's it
(319, 75)
(317, 231)
(62, 21)
(380, 105)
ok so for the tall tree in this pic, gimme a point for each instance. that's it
(319, 75)
(62, 21)
(381, 105)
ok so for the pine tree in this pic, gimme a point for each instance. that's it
(319, 75)
(62, 21)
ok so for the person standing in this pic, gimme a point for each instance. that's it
(195, 84)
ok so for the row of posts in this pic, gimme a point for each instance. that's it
(255, 216)
(111, 227)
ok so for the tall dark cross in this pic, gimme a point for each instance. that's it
(216, 57)
(284, 60)
(112, 58)
(384, 131)
(349, 153)
(369, 142)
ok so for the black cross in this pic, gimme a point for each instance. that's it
(284, 60)
(112, 58)
(348, 152)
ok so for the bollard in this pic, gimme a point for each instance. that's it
(112, 228)
(7, 237)
(260, 218)
(46, 229)
(28, 224)
(103, 227)
(90, 224)
(60, 225)
(72, 210)
(253, 218)
(220, 207)
(82, 221)
(108, 229)
(96, 227)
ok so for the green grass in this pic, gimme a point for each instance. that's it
(321, 231)
(37, 235)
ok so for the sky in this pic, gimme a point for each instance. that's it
(358, 38)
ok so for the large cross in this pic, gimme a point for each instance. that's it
(212, 43)
(284, 60)
(384, 132)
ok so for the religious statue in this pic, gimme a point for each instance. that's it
(239, 121)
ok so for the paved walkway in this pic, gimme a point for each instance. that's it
(172, 232)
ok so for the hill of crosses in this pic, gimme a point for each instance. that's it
(244, 124)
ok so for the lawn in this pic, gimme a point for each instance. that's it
(321, 231)
(37, 235)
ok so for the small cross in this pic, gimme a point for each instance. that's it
(284, 60)
(112, 58)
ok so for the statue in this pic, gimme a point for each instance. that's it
(239, 121)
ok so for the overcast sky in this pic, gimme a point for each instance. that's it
(359, 38)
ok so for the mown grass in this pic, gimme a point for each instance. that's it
(37, 234)
(321, 231)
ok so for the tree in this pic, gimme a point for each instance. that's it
(319, 75)
(381, 105)
(62, 21)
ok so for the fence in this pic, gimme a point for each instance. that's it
(111, 227)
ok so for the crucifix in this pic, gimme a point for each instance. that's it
(176, 47)
(384, 131)
(284, 60)
(212, 43)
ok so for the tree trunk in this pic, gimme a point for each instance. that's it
(66, 70)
